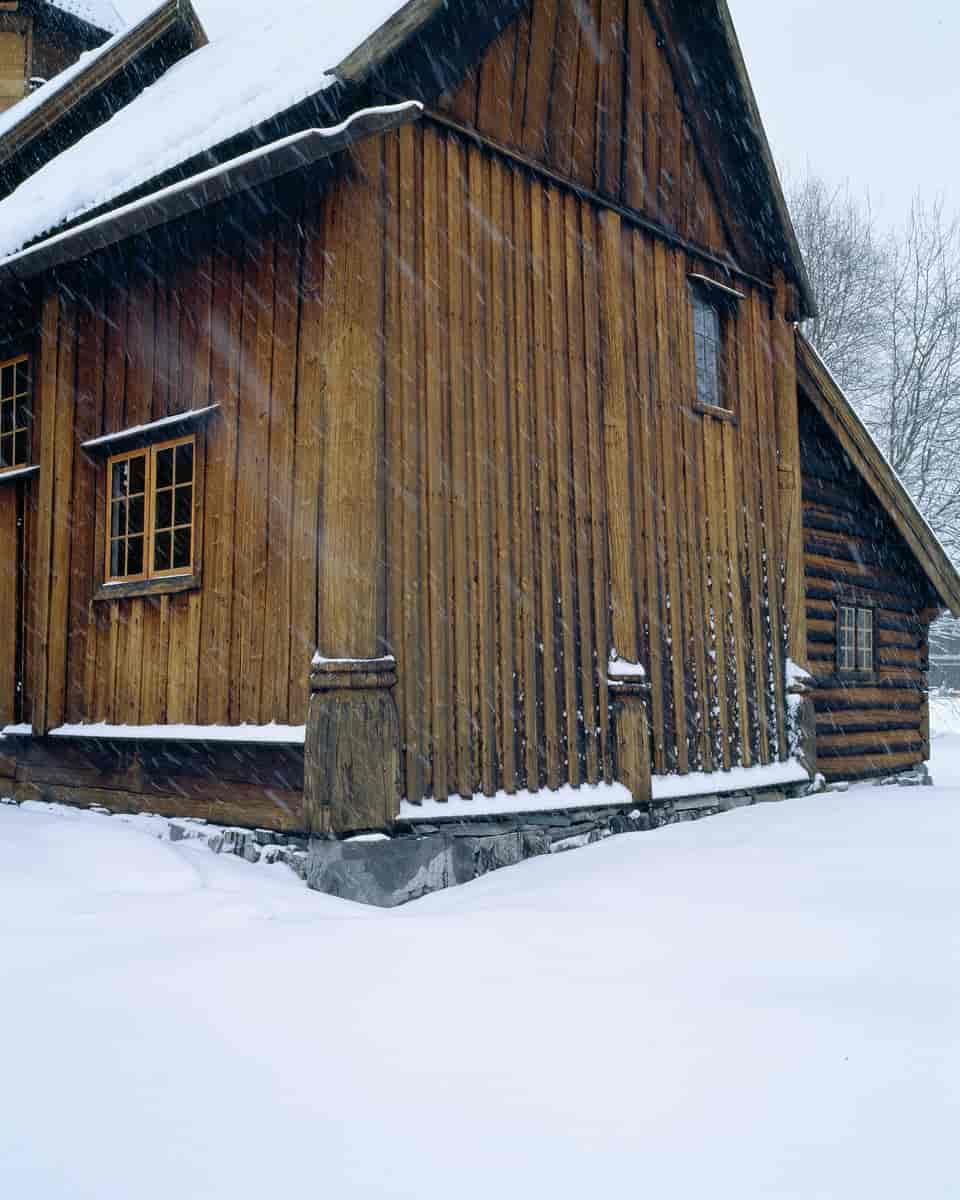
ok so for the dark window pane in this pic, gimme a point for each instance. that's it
(6, 451)
(6, 417)
(164, 468)
(22, 383)
(120, 473)
(138, 475)
(23, 415)
(185, 463)
(116, 558)
(6, 381)
(135, 556)
(161, 552)
(181, 548)
(135, 515)
(184, 505)
(21, 452)
(164, 509)
(118, 519)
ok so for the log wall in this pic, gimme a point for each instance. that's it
(851, 549)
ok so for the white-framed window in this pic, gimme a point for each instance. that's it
(855, 639)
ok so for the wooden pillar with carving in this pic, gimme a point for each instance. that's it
(352, 751)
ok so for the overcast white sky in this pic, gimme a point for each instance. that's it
(862, 90)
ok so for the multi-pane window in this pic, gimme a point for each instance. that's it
(855, 639)
(706, 337)
(150, 526)
(15, 413)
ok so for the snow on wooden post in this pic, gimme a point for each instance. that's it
(630, 690)
(352, 750)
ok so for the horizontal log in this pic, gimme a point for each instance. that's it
(876, 720)
(235, 804)
(818, 566)
(868, 766)
(841, 698)
(868, 741)
(820, 586)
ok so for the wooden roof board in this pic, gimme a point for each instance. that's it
(836, 410)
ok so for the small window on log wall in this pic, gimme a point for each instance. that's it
(15, 413)
(855, 639)
(150, 523)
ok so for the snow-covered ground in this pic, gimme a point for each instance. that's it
(764, 1004)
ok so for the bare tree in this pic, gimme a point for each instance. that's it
(915, 413)
(889, 329)
(847, 264)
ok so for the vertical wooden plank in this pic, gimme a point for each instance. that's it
(672, 491)
(526, 400)
(545, 437)
(580, 459)
(562, 467)
(539, 78)
(47, 406)
(220, 482)
(62, 515)
(84, 581)
(274, 700)
(252, 457)
(416, 647)
(616, 443)
(654, 546)
(433, 180)
(751, 571)
(459, 463)
(481, 476)
(9, 567)
(502, 401)
(593, 382)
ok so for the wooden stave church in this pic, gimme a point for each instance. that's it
(525, 487)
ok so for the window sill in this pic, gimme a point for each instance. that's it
(15, 474)
(167, 586)
(713, 410)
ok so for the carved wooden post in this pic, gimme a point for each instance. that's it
(629, 691)
(352, 751)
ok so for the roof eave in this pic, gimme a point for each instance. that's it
(201, 190)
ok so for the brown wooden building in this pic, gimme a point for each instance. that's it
(41, 38)
(437, 418)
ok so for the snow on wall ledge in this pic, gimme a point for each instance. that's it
(612, 795)
(287, 734)
(739, 779)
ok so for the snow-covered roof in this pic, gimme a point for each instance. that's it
(261, 60)
(99, 13)
(38, 98)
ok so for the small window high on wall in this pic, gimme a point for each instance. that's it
(707, 350)
(150, 518)
(855, 642)
(15, 413)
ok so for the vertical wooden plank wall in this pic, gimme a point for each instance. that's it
(545, 492)
(554, 495)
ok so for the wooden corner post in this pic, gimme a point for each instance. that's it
(352, 748)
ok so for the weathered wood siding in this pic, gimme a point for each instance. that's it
(225, 308)
(456, 423)
(878, 725)
(552, 493)
(14, 58)
(586, 88)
